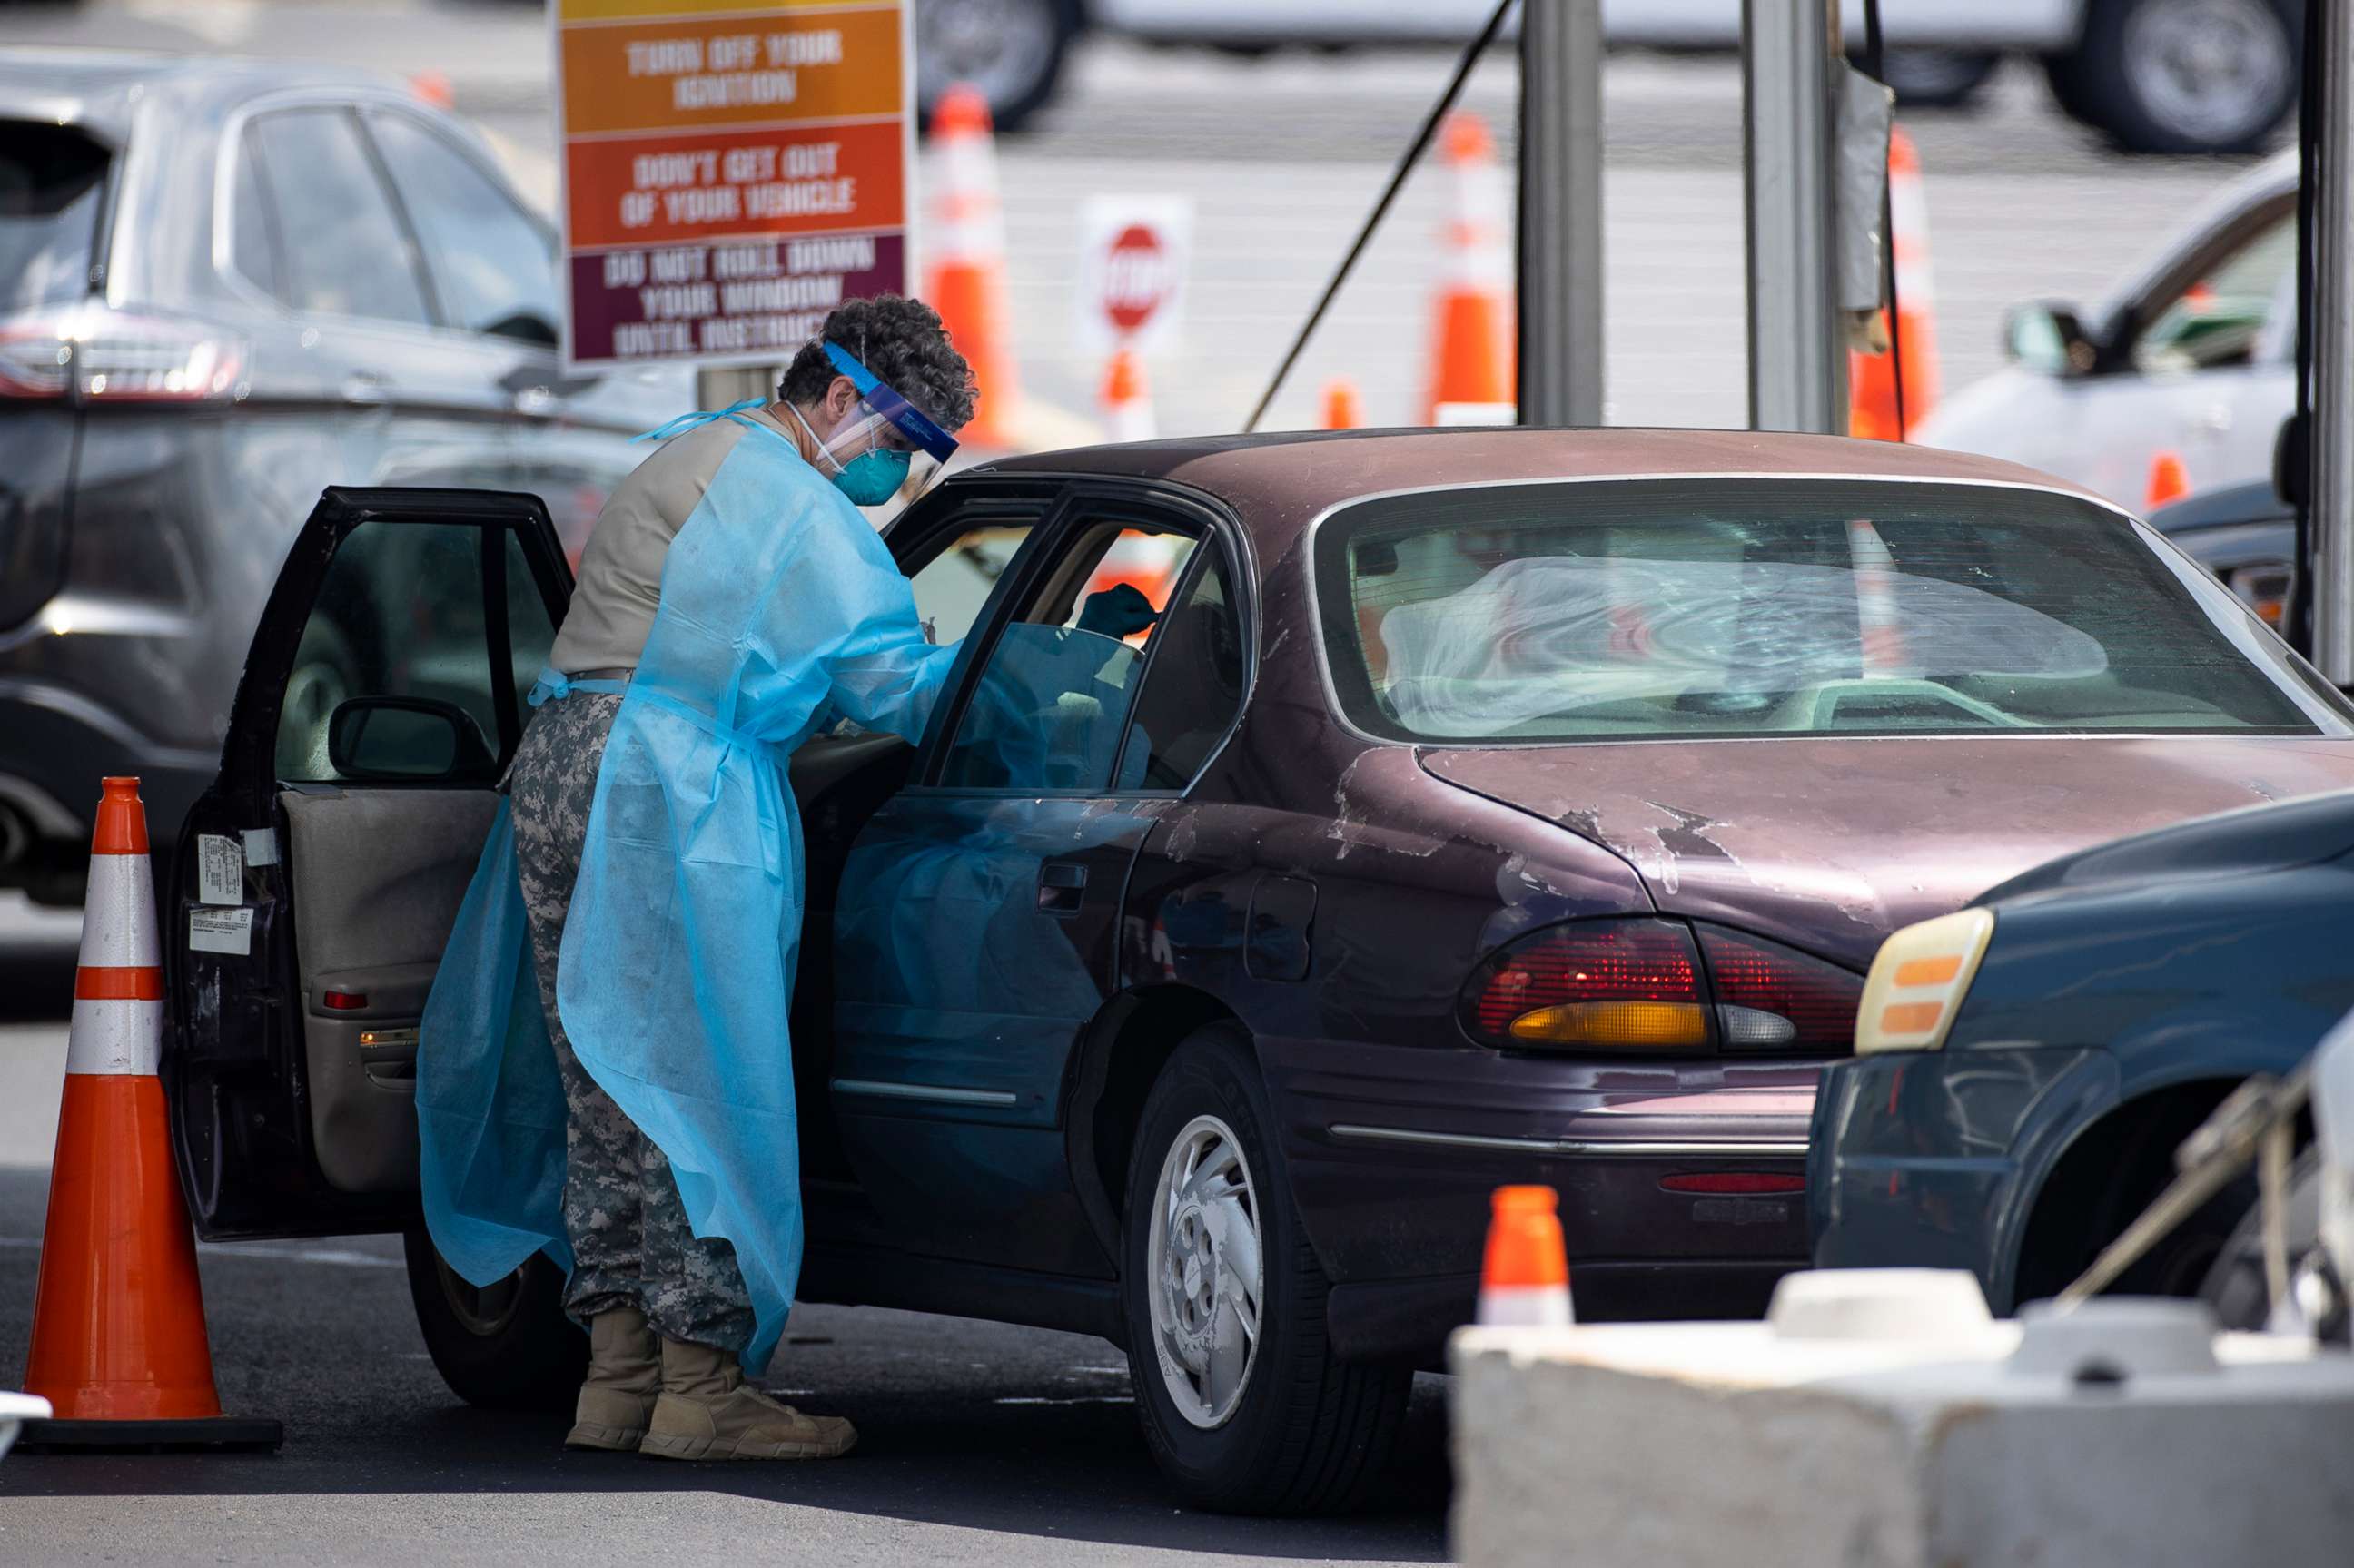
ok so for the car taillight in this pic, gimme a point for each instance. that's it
(96, 354)
(1659, 985)
(1767, 996)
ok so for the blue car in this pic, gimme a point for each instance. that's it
(2026, 1067)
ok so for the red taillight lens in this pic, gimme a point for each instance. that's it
(98, 354)
(1596, 984)
(1769, 998)
(1647, 985)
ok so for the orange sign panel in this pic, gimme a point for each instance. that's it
(706, 145)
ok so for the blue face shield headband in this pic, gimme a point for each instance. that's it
(885, 446)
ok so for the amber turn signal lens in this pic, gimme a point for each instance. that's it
(1918, 981)
(1616, 1025)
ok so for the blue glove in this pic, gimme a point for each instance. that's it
(1120, 610)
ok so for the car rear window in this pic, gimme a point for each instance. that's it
(1631, 609)
(52, 183)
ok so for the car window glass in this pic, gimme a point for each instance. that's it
(1193, 688)
(952, 586)
(2219, 317)
(52, 182)
(253, 249)
(402, 613)
(494, 267)
(1047, 708)
(1693, 608)
(345, 252)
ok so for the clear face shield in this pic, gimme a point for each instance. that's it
(884, 447)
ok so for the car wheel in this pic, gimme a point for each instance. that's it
(1013, 50)
(1937, 79)
(506, 1346)
(1242, 1403)
(2183, 76)
(2182, 1260)
(325, 674)
(2235, 1285)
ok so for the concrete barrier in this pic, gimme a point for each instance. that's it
(1879, 1423)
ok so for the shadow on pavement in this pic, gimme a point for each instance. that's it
(967, 1425)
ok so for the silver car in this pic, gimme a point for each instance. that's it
(224, 286)
(2194, 356)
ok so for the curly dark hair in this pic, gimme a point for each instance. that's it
(903, 343)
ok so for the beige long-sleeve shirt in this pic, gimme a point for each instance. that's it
(620, 585)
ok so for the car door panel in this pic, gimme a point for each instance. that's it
(295, 995)
(376, 876)
(977, 926)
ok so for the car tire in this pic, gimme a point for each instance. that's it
(506, 1347)
(2132, 74)
(1013, 51)
(1298, 1430)
(1937, 79)
(2183, 1259)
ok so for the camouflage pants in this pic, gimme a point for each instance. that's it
(631, 1241)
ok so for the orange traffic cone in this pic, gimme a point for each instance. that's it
(2169, 479)
(119, 1344)
(1473, 348)
(1525, 1282)
(1340, 409)
(966, 278)
(1127, 407)
(1872, 378)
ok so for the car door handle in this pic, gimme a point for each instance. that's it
(367, 387)
(1061, 885)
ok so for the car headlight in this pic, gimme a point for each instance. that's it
(1918, 980)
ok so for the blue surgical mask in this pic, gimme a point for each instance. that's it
(873, 477)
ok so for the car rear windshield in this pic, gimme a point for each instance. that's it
(1636, 609)
(52, 183)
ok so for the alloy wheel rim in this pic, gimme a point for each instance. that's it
(482, 1310)
(1206, 1254)
(2207, 68)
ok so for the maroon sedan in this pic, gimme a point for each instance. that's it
(1440, 809)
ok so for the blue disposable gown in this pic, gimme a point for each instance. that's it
(779, 606)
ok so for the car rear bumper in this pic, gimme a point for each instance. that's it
(60, 746)
(1395, 1153)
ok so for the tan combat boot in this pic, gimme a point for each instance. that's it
(709, 1411)
(617, 1399)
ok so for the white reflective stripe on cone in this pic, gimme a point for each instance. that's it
(120, 1038)
(118, 915)
(1526, 1306)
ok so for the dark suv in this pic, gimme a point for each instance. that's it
(225, 285)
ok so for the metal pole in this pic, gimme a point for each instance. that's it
(2331, 495)
(1798, 358)
(1560, 212)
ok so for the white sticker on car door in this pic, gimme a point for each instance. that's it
(221, 931)
(220, 870)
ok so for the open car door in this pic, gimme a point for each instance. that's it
(316, 881)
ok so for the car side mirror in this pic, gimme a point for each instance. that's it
(2292, 460)
(2050, 338)
(525, 326)
(407, 740)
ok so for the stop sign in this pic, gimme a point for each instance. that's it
(1138, 277)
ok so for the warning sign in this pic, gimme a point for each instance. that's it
(731, 172)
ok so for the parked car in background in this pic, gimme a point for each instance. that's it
(2154, 75)
(2026, 1069)
(1013, 50)
(2193, 355)
(1485, 806)
(2245, 534)
(224, 285)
